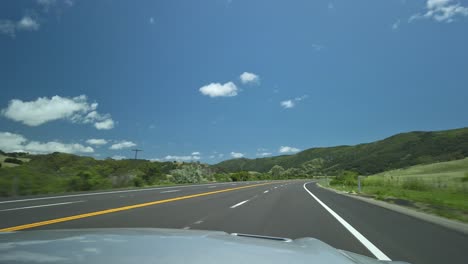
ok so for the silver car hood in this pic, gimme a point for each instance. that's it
(148, 245)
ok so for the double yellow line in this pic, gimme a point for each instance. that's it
(119, 209)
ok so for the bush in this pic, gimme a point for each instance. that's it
(13, 160)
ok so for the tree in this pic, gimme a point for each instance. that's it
(276, 172)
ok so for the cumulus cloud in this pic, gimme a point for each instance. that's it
(182, 158)
(219, 90)
(237, 155)
(104, 125)
(292, 102)
(27, 23)
(122, 145)
(286, 149)
(248, 77)
(287, 104)
(96, 141)
(441, 11)
(11, 142)
(44, 109)
(196, 153)
(264, 154)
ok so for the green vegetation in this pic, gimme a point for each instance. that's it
(59, 172)
(13, 160)
(440, 188)
(399, 151)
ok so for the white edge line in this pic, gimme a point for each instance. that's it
(371, 247)
(239, 204)
(170, 191)
(111, 192)
(37, 206)
(266, 191)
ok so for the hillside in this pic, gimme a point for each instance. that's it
(398, 151)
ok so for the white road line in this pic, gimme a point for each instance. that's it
(198, 222)
(100, 193)
(266, 191)
(170, 191)
(212, 186)
(37, 206)
(276, 187)
(239, 204)
(371, 247)
(187, 227)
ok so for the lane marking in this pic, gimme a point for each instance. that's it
(266, 191)
(212, 186)
(239, 204)
(124, 208)
(170, 191)
(186, 228)
(371, 247)
(198, 222)
(109, 192)
(37, 206)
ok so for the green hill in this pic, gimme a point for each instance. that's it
(398, 151)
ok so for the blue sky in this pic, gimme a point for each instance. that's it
(100, 78)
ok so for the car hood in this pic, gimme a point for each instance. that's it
(150, 245)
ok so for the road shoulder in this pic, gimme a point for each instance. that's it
(447, 223)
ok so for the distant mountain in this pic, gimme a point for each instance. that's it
(398, 151)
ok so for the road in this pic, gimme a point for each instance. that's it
(290, 209)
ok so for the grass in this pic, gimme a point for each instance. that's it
(439, 188)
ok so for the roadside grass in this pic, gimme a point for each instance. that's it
(8, 164)
(438, 188)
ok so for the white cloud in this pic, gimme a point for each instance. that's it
(286, 149)
(220, 155)
(11, 142)
(441, 11)
(217, 89)
(292, 102)
(27, 23)
(287, 104)
(396, 25)
(104, 125)
(196, 153)
(122, 145)
(96, 141)
(248, 77)
(237, 155)
(264, 154)
(181, 158)
(44, 109)
(118, 157)
(212, 156)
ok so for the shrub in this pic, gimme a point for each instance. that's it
(13, 160)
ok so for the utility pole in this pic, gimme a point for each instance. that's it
(136, 152)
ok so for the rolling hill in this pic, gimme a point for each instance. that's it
(398, 151)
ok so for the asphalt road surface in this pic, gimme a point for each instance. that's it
(291, 209)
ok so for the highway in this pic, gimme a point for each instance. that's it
(291, 209)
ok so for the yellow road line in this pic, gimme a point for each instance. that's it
(118, 209)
